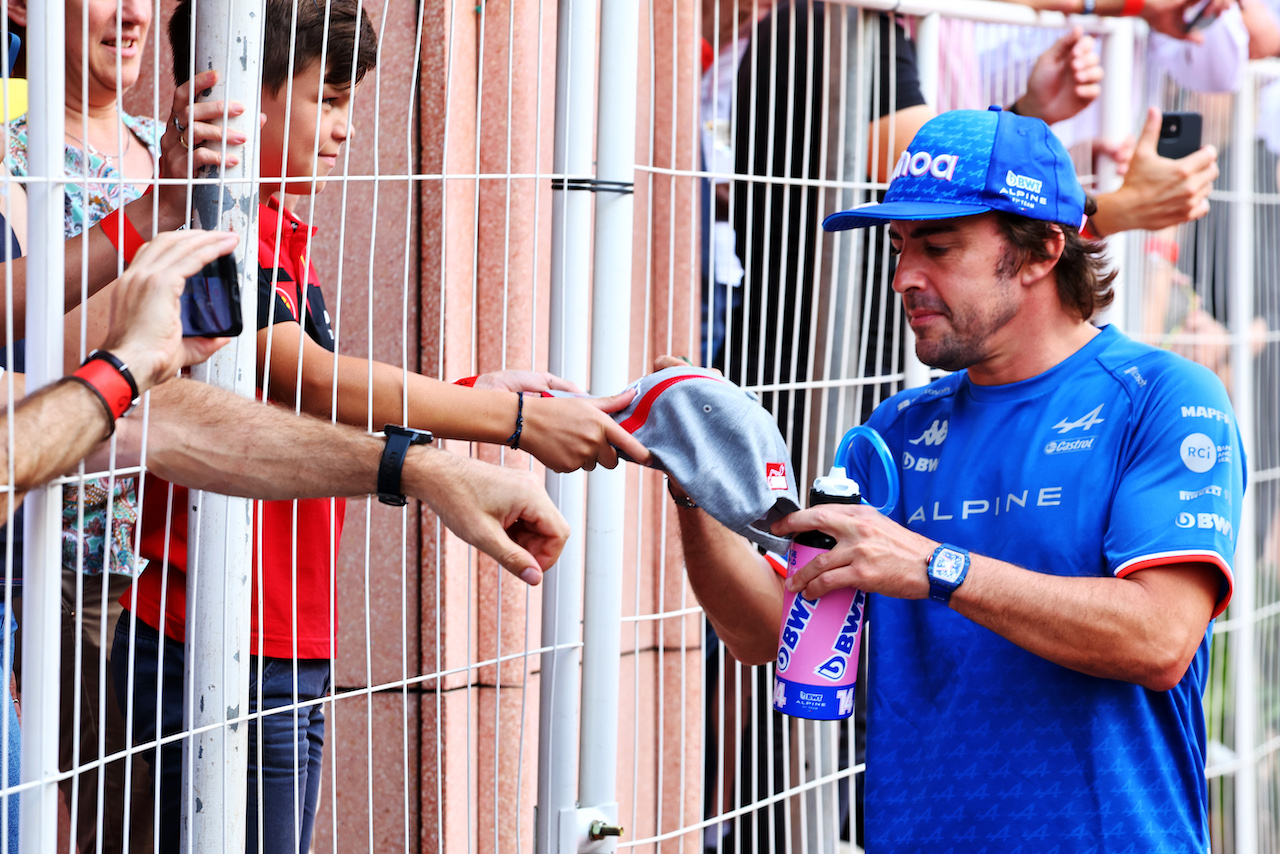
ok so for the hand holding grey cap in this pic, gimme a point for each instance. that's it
(720, 445)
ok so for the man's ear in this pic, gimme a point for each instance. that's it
(18, 12)
(1033, 270)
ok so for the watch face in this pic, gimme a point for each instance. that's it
(947, 566)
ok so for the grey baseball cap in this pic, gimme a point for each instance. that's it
(720, 445)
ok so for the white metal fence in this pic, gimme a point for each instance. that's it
(526, 187)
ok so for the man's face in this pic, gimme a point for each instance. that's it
(957, 294)
(317, 117)
(111, 38)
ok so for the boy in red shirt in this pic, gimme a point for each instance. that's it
(293, 623)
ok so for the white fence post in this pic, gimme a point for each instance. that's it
(562, 596)
(610, 351)
(42, 582)
(215, 760)
(1244, 600)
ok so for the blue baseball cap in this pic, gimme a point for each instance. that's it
(969, 162)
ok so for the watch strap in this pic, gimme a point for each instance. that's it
(399, 441)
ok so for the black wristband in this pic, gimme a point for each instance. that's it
(399, 440)
(114, 361)
(513, 441)
(111, 415)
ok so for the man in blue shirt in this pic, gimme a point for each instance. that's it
(1042, 594)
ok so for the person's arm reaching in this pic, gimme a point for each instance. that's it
(1157, 192)
(1142, 628)
(207, 438)
(59, 424)
(1163, 16)
(563, 433)
(1065, 79)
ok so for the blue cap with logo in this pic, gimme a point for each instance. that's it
(969, 162)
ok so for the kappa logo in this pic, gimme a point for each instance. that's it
(775, 475)
(1088, 420)
(935, 435)
(941, 167)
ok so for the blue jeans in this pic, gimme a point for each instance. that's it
(290, 786)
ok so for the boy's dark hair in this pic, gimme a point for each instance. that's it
(1084, 282)
(350, 36)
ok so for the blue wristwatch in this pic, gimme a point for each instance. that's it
(947, 566)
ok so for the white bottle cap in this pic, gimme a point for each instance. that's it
(836, 483)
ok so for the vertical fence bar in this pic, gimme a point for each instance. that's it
(570, 282)
(215, 761)
(1244, 599)
(928, 43)
(610, 350)
(42, 587)
(1117, 121)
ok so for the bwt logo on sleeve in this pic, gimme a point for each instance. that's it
(942, 167)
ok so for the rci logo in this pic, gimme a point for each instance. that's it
(942, 167)
(1206, 521)
(935, 435)
(1199, 453)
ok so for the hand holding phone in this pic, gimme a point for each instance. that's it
(210, 303)
(1179, 135)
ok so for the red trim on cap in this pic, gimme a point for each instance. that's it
(109, 382)
(641, 413)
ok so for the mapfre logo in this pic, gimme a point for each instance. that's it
(1198, 453)
(1205, 521)
(935, 435)
(775, 474)
(922, 163)
(1086, 421)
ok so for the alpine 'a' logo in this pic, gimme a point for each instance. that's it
(935, 435)
(1087, 421)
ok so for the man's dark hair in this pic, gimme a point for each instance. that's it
(351, 49)
(1084, 280)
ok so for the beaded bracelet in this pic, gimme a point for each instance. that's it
(513, 441)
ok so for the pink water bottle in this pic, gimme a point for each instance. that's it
(819, 639)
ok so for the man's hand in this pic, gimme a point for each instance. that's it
(872, 553)
(503, 512)
(1065, 79)
(524, 381)
(1157, 191)
(193, 139)
(145, 326)
(1168, 17)
(570, 433)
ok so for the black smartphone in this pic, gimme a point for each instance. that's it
(211, 301)
(1194, 16)
(1179, 135)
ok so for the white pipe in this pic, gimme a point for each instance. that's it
(1117, 122)
(610, 350)
(1243, 599)
(928, 38)
(42, 582)
(570, 241)
(220, 536)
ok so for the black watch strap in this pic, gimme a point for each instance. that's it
(399, 440)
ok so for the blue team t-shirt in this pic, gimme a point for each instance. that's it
(1120, 458)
